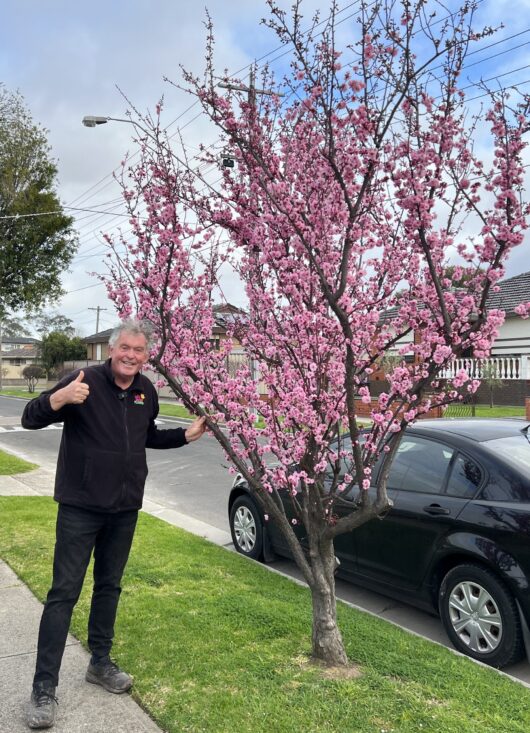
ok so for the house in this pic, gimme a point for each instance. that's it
(16, 353)
(225, 315)
(97, 346)
(513, 341)
(510, 354)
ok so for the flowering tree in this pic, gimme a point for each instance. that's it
(351, 196)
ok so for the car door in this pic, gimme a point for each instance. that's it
(398, 548)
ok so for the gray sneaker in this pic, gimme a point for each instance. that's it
(42, 707)
(108, 675)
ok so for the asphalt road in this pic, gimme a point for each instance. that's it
(194, 480)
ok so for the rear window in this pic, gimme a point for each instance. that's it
(515, 451)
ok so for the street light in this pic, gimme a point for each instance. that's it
(93, 120)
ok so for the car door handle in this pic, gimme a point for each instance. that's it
(435, 509)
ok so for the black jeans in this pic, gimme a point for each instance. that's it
(78, 532)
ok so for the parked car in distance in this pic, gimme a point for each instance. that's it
(456, 541)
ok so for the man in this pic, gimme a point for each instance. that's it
(109, 413)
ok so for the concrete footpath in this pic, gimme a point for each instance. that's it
(82, 706)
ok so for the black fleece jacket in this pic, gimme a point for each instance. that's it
(102, 463)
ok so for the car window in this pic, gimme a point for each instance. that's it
(465, 478)
(510, 480)
(420, 465)
(515, 450)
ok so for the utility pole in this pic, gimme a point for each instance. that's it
(250, 90)
(97, 309)
(1, 365)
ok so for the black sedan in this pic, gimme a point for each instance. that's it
(456, 542)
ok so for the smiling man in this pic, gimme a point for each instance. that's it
(109, 413)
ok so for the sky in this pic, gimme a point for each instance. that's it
(71, 59)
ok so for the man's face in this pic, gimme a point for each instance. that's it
(127, 357)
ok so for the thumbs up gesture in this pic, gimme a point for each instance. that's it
(75, 393)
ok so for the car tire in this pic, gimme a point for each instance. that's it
(246, 528)
(480, 616)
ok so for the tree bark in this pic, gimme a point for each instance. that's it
(327, 643)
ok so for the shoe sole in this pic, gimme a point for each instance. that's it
(97, 681)
(40, 726)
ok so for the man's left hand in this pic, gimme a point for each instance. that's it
(196, 429)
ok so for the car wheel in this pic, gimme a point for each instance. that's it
(246, 528)
(480, 616)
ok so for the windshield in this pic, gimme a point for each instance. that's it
(514, 450)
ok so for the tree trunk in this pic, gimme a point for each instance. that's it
(327, 643)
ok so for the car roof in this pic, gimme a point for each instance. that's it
(477, 429)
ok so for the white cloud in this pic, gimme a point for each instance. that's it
(67, 58)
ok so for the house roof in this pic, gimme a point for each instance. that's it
(102, 337)
(19, 340)
(25, 353)
(225, 308)
(224, 315)
(513, 292)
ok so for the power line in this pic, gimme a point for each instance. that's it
(196, 102)
(117, 215)
(58, 211)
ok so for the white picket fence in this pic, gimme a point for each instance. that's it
(499, 367)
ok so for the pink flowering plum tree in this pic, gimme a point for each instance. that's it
(356, 189)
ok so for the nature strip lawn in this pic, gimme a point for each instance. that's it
(220, 644)
(10, 464)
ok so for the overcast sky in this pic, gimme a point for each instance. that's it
(68, 58)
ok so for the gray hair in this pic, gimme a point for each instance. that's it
(134, 326)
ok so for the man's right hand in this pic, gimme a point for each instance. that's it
(75, 393)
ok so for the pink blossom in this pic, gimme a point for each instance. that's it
(523, 310)
(340, 227)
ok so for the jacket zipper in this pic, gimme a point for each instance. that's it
(127, 447)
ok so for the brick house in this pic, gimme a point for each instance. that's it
(17, 353)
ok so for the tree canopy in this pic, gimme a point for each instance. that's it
(353, 192)
(32, 373)
(37, 241)
(12, 326)
(56, 348)
(45, 323)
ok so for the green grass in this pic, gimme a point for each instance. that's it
(170, 410)
(11, 464)
(20, 392)
(487, 411)
(174, 410)
(219, 644)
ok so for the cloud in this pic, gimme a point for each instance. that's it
(68, 59)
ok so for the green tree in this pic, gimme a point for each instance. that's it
(32, 373)
(35, 246)
(46, 323)
(13, 327)
(490, 376)
(56, 348)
